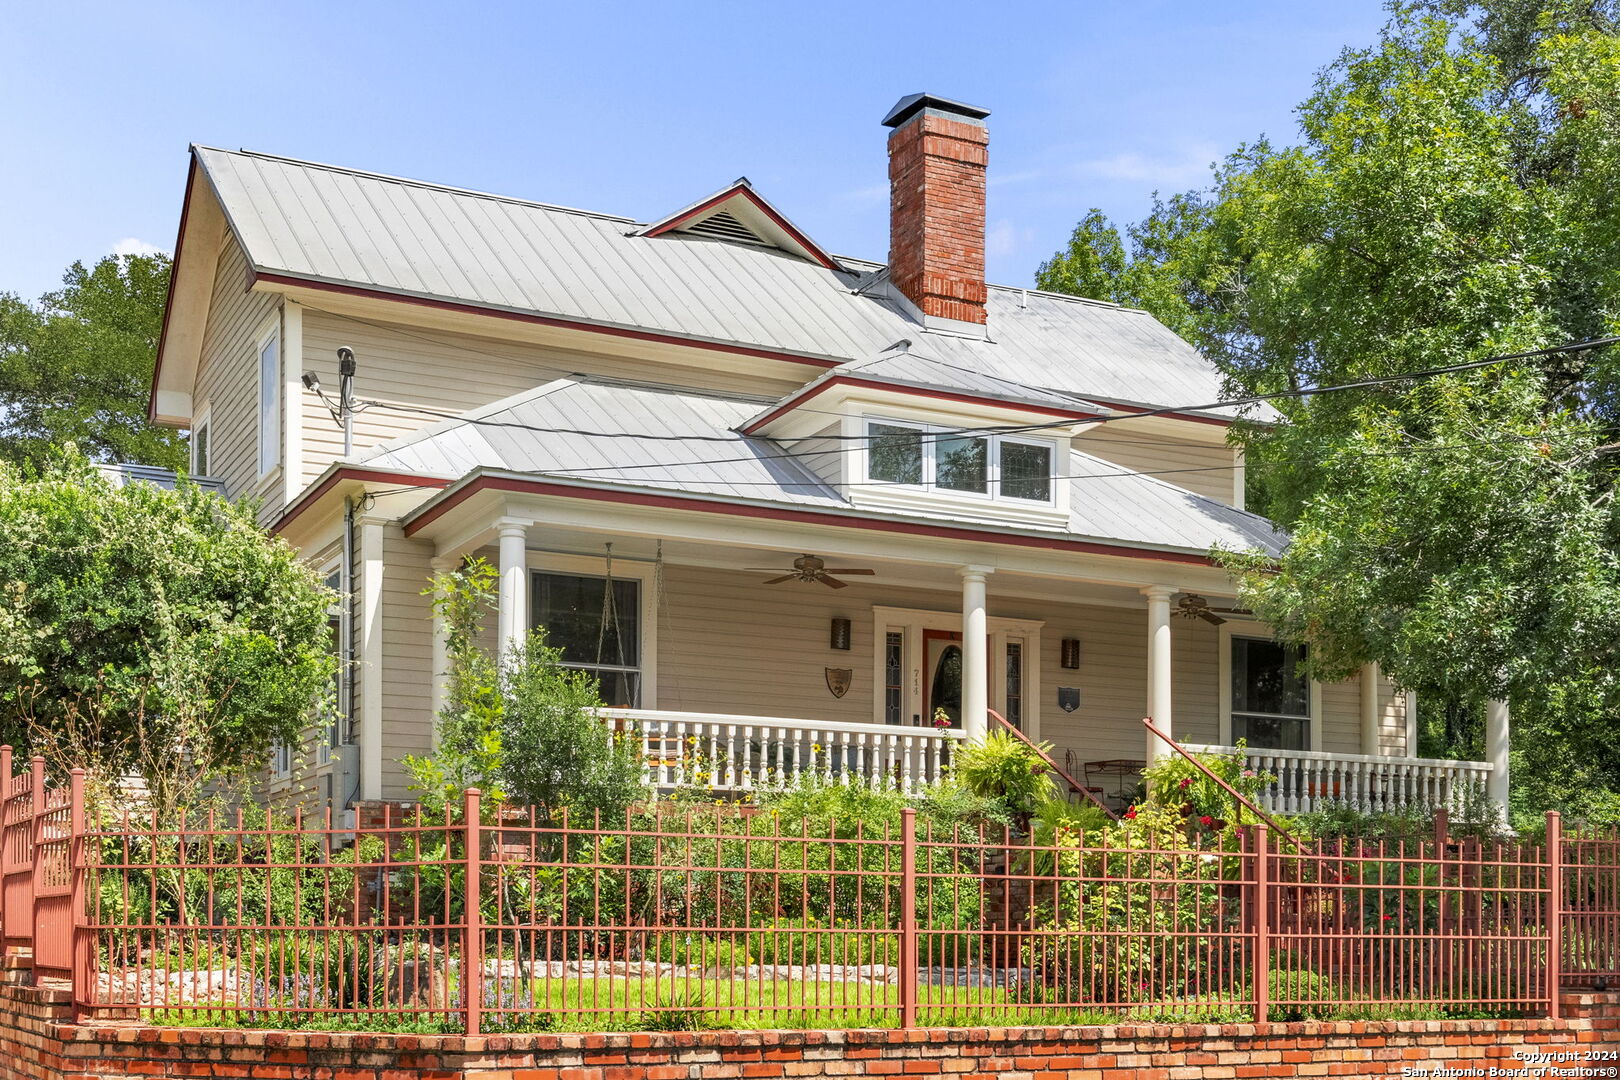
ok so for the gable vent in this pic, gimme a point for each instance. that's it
(723, 226)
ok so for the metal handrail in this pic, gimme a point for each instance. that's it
(1147, 721)
(1074, 785)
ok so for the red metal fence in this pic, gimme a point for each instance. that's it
(483, 920)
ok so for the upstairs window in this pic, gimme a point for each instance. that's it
(269, 402)
(992, 466)
(200, 432)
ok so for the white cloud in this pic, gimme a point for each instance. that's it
(131, 245)
(1185, 168)
(1003, 238)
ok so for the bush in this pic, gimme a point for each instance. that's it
(1007, 770)
(1178, 785)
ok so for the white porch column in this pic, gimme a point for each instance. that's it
(1411, 749)
(514, 570)
(975, 655)
(371, 659)
(1370, 743)
(1158, 684)
(1496, 752)
(442, 564)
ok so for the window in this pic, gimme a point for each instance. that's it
(998, 466)
(281, 761)
(597, 625)
(1015, 684)
(1271, 697)
(893, 686)
(199, 444)
(269, 403)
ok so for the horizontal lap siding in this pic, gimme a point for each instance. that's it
(1168, 458)
(228, 381)
(446, 372)
(407, 650)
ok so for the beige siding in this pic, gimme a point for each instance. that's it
(407, 647)
(228, 380)
(1208, 470)
(408, 368)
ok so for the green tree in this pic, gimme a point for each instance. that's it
(154, 631)
(1449, 200)
(76, 366)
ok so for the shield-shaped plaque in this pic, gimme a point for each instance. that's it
(1068, 698)
(838, 680)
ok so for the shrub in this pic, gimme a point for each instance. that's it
(1008, 770)
(1178, 785)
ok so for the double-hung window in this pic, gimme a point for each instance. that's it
(1271, 695)
(596, 622)
(269, 402)
(201, 431)
(950, 460)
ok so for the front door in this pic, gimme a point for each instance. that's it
(942, 675)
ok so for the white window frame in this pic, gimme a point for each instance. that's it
(1240, 629)
(623, 569)
(281, 759)
(910, 624)
(202, 424)
(268, 405)
(933, 434)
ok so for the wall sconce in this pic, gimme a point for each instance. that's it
(840, 634)
(1069, 654)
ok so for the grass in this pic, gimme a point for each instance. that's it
(691, 1004)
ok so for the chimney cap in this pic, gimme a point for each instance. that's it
(912, 104)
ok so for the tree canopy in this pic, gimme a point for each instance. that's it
(76, 366)
(1449, 200)
(152, 631)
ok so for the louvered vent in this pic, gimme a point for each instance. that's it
(723, 226)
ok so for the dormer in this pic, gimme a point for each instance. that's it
(908, 432)
(737, 214)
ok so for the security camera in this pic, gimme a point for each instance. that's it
(312, 381)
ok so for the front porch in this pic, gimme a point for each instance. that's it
(738, 684)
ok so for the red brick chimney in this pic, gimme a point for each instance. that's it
(938, 153)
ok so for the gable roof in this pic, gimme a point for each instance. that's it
(320, 226)
(741, 207)
(625, 435)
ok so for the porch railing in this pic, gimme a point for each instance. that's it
(1312, 780)
(734, 755)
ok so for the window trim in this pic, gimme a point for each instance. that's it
(930, 466)
(623, 568)
(911, 622)
(1260, 631)
(203, 422)
(269, 399)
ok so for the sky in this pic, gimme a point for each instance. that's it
(639, 108)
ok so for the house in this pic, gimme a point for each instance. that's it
(773, 497)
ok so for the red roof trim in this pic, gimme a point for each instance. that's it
(809, 517)
(944, 395)
(313, 496)
(168, 300)
(762, 206)
(540, 320)
(1218, 421)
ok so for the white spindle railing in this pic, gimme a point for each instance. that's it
(735, 755)
(1310, 780)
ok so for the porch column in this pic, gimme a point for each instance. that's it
(371, 659)
(1369, 710)
(1496, 752)
(514, 571)
(442, 564)
(1411, 724)
(1158, 686)
(975, 655)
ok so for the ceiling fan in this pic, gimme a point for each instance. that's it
(1193, 606)
(809, 568)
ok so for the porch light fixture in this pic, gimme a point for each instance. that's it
(840, 634)
(1069, 654)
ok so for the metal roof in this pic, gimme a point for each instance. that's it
(119, 473)
(635, 435)
(405, 237)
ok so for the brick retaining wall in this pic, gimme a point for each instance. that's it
(38, 1041)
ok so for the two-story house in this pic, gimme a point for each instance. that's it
(769, 496)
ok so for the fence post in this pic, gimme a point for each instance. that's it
(80, 963)
(1262, 923)
(1555, 911)
(472, 944)
(36, 832)
(908, 917)
(7, 786)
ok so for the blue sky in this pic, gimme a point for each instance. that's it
(639, 108)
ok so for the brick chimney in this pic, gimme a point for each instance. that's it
(938, 152)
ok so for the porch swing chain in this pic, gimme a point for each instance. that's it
(610, 615)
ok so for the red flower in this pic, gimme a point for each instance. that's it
(1206, 821)
(1129, 814)
(1186, 781)
(1388, 917)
